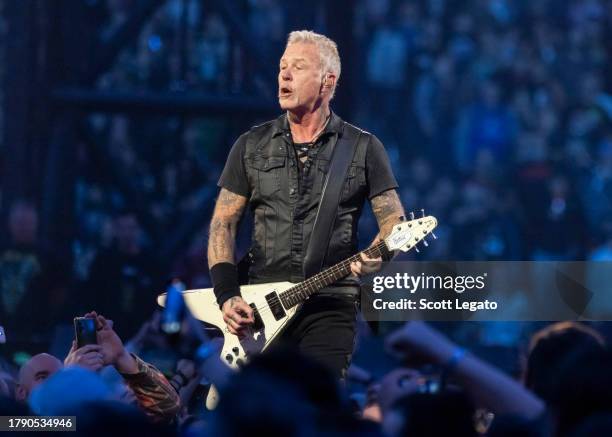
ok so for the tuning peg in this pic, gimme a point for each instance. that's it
(422, 212)
(417, 249)
(425, 243)
(433, 235)
(411, 215)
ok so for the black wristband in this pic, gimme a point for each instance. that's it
(224, 277)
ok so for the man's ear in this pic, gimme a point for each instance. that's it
(329, 80)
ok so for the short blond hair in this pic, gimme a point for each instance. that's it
(328, 51)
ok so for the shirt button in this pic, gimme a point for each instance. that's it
(292, 191)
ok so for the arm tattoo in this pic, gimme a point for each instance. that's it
(223, 226)
(387, 209)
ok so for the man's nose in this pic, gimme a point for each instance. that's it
(286, 74)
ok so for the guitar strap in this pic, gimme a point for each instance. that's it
(342, 156)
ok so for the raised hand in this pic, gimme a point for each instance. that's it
(89, 357)
(113, 351)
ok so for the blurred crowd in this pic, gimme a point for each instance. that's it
(188, 45)
(499, 115)
(3, 33)
(498, 121)
(156, 384)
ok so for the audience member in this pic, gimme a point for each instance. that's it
(124, 280)
(152, 391)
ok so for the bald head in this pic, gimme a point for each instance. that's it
(34, 372)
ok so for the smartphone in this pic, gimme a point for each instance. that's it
(84, 331)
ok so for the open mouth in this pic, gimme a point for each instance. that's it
(285, 91)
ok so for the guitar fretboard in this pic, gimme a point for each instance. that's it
(300, 292)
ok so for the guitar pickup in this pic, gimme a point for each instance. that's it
(275, 305)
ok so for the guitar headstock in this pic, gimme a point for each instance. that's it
(407, 234)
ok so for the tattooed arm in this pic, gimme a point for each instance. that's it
(221, 242)
(387, 209)
(223, 226)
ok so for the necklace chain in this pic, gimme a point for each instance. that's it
(316, 135)
(320, 130)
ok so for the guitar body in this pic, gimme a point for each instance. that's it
(268, 323)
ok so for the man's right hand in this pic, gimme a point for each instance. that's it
(238, 315)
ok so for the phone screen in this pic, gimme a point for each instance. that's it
(84, 331)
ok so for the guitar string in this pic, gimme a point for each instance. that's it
(301, 291)
(327, 274)
(295, 292)
(330, 272)
(333, 273)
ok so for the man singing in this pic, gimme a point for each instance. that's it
(279, 169)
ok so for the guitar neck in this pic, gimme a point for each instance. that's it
(300, 292)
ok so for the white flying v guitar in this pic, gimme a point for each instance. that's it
(276, 303)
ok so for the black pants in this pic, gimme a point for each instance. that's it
(324, 329)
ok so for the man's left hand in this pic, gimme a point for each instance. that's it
(366, 266)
